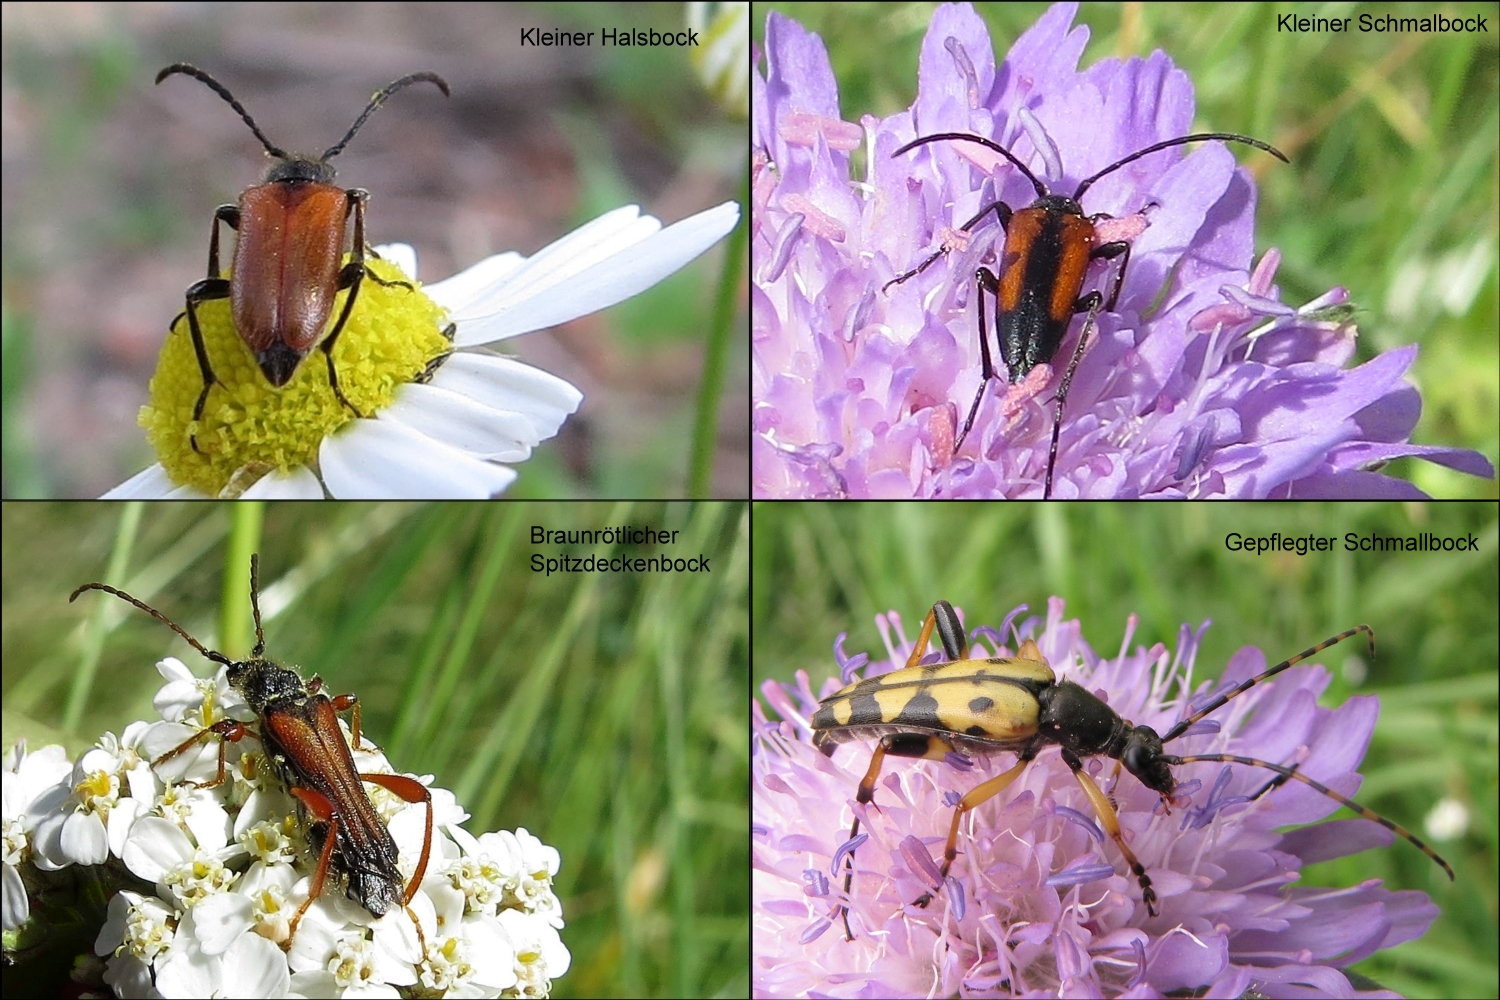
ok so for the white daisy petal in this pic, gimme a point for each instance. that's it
(616, 256)
(540, 282)
(507, 385)
(294, 484)
(148, 484)
(464, 422)
(582, 248)
(403, 255)
(470, 283)
(382, 459)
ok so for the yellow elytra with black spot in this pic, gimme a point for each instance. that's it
(976, 706)
(985, 706)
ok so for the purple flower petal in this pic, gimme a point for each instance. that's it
(1033, 904)
(1201, 383)
(920, 861)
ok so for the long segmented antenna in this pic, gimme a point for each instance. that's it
(188, 69)
(1088, 182)
(216, 657)
(378, 100)
(209, 653)
(1292, 772)
(1182, 727)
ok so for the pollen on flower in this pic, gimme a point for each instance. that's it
(391, 337)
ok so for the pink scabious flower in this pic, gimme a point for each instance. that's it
(1039, 902)
(1201, 382)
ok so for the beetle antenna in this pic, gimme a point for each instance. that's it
(260, 635)
(189, 69)
(1292, 772)
(1041, 189)
(1213, 705)
(212, 655)
(379, 99)
(1088, 182)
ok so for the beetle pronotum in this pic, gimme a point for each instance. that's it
(994, 704)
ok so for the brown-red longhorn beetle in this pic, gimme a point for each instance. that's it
(1048, 247)
(287, 255)
(300, 735)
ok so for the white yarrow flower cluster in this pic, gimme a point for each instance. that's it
(231, 866)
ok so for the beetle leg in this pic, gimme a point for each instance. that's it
(921, 745)
(1114, 782)
(975, 797)
(350, 276)
(321, 808)
(1091, 303)
(371, 275)
(230, 216)
(1119, 247)
(214, 286)
(208, 288)
(412, 791)
(357, 198)
(1002, 212)
(370, 252)
(427, 373)
(986, 281)
(407, 788)
(866, 794)
(1108, 251)
(227, 730)
(341, 703)
(920, 649)
(849, 880)
(1111, 821)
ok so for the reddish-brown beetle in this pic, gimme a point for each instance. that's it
(288, 253)
(300, 735)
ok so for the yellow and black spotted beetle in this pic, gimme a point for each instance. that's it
(994, 704)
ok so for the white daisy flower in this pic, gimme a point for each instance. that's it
(435, 419)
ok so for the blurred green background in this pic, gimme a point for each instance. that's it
(111, 183)
(823, 569)
(604, 712)
(1393, 190)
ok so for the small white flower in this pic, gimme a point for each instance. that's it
(232, 867)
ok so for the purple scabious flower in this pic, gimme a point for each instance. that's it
(1039, 901)
(1201, 382)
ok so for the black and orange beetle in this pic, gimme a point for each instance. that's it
(1048, 247)
(289, 251)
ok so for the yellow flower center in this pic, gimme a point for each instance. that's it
(249, 427)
